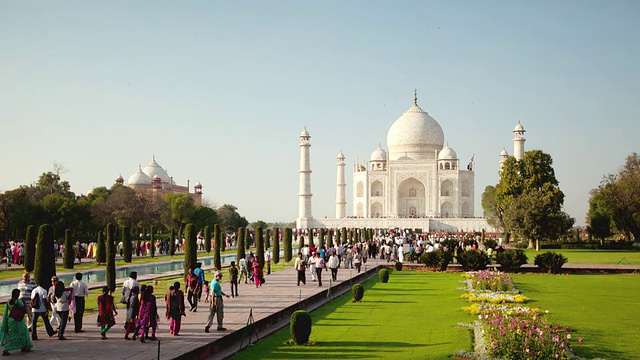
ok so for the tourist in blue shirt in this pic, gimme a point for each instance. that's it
(216, 307)
(200, 274)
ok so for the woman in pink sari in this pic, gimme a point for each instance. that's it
(257, 271)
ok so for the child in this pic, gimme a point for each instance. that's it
(205, 291)
(233, 274)
(107, 312)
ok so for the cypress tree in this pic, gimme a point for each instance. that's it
(152, 240)
(101, 254)
(321, 242)
(310, 238)
(69, 256)
(207, 239)
(45, 260)
(30, 248)
(126, 243)
(190, 248)
(217, 263)
(330, 239)
(247, 239)
(300, 243)
(337, 233)
(276, 247)
(343, 234)
(172, 242)
(240, 244)
(260, 245)
(111, 257)
(267, 239)
(287, 244)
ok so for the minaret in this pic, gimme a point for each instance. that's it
(518, 141)
(341, 203)
(503, 157)
(304, 193)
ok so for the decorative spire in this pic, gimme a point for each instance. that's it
(415, 97)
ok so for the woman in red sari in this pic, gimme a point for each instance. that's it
(257, 271)
(106, 312)
(144, 316)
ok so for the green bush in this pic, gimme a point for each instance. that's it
(490, 244)
(511, 260)
(300, 327)
(357, 291)
(449, 244)
(550, 262)
(30, 249)
(68, 256)
(398, 266)
(473, 260)
(437, 260)
(383, 275)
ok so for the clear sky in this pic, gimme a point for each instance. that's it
(219, 91)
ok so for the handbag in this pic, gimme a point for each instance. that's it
(17, 313)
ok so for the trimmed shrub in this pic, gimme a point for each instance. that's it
(68, 255)
(321, 234)
(260, 246)
(329, 239)
(398, 266)
(449, 244)
(247, 239)
(45, 261)
(126, 243)
(473, 260)
(276, 247)
(287, 244)
(300, 327)
(152, 241)
(343, 235)
(111, 257)
(357, 291)
(217, 242)
(511, 260)
(490, 244)
(30, 248)
(190, 248)
(550, 262)
(267, 238)
(172, 242)
(101, 250)
(300, 243)
(437, 260)
(383, 275)
(207, 239)
(239, 244)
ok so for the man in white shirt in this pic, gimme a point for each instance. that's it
(26, 286)
(80, 290)
(267, 260)
(129, 284)
(39, 307)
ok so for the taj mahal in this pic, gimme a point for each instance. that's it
(417, 183)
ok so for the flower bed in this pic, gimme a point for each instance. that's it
(505, 309)
(490, 280)
(494, 297)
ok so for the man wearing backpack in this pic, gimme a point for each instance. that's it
(39, 305)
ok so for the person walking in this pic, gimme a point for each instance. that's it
(200, 274)
(143, 316)
(357, 259)
(39, 305)
(320, 265)
(26, 286)
(267, 260)
(129, 284)
(243, 270)
(334, 263)
(61, 298)
(14, 334)
(216, 307)
(133, 308)
(312, 266)
(106, 312)
(300, 268)
(192, 290)
(233, 274)
(80, 290)
(174, 308)
(258, 275)
(54, 312)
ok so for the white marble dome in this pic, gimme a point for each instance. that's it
(153, 168)
(379, 154)
(519, 128)
(447, 153)
(305, 133)
(340, 156)
(504, 153)
(415, 134)
(139, 178)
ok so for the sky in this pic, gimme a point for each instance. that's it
(219, 91)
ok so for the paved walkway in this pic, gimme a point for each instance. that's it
(278, 292)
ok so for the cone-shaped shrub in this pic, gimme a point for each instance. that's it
(383, 275)
(330, 239)
(172, 242)
(217, 263)
(68, 255)
(321, 242)
(152, 240)
(260, 246)
(30, 248)
(207, 239)
(101, 250)
(190, 248)
(300, 327)
(111, 257)
(126, 242)
(300, 242)
(267, 238)
(247, 239)
(357, 291)
(276, 246)
(45, 261)
(287, 244)
(310, 238)
(240, 244)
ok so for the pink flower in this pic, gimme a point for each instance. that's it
(568, 336)
(579, 339)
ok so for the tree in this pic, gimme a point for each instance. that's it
(599, 215)
(180, 210)
(207, 238)
(152, 241)
(492, 211)
(229, 219)
(260, 246)
(111, 257)
(69, 256)
(343, 234)
(255, 225)
(621, 197)
(204, 216)
(300, 241)
(45, 265)
(126, 243)
(276, 246)
(329, 239)
(172, 242)
(321, 242)
(216, 251)
(240, 244)
(287, 244)
(30, 249)
(190, 248)
(530, 198)
(247, 239)
(267, 238)
(101, 251)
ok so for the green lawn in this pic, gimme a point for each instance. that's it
(602, 309)
(579, 256)
(414, 316)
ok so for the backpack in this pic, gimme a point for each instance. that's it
(35, 304)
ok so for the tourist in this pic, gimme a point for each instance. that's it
(258, 275)
(50, 303)
(133, 308)
(192, 282)
(200, 274)
(300, 268)
(357, 259)
(320, 265)
(61, 299)
(154, 317)
(267, 260)
(106, 312)
(250, 259)
(333, 264)
(349, 262)
(233, 274)
(205, 290)
(129, 284)
(26, 286)
(80, 290)
(143, 316)
(243, 270)
(39, 306)
(216, 307)
(14, 334)
(174, 306)
(312, 266)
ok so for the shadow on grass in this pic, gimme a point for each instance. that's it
(347, 350)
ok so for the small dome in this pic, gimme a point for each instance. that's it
(447, 153)
(519, 128)
(504, 153)
(340, 156)
(139, 178)
(153, 168)
(305, 133)
(119, 178)
(379, 154)
(198, 185)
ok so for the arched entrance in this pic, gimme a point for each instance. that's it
(411, 198)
